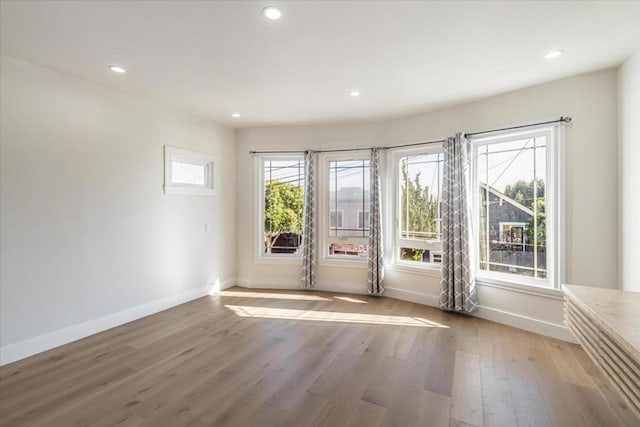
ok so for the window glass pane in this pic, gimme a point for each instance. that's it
(512, 222)
(283, 206)
(420, 198)
(363, 219)
(421, 255)
(349, 196)
(335, 219)
(349, 249)
(188, 173)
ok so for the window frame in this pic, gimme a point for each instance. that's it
(324, 205)
(554, 212)
(260, 254)
(190, 157)
(396, 199)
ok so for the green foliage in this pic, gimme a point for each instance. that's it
(284, 206)
(419, 209)
(541, 224)
(522, 192)
(411, 254)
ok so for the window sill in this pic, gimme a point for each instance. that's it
(523, 288)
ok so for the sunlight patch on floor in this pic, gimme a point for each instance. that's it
(332, 316)
(348, 299)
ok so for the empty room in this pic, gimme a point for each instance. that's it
(319, 213)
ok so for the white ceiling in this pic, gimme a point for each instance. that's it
(215, 58)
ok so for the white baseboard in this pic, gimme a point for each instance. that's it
(549, 329)
(268, 284)
(20, 350)
(526, 323)
(296, 285)
(222, 285)
(412, 296)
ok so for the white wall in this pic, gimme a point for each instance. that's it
(88, 238)
(629, 186)
(591, 256)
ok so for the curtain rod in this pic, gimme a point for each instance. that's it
(562, 119)
(335, 150)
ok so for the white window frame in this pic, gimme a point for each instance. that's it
(260, 255)
(396, 198)
(324, 207)
(554, 193)
(197, 158)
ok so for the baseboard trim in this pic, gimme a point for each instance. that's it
(20, 350)
(267, 284)
(412, 296)
(295, 285)
(549, 329)
(222, 285)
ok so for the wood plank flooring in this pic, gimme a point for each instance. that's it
(292, 358)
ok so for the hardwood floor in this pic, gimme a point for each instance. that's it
(289, 358)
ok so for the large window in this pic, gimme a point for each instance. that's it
(282, 206)
(348, 208)
(515, 206)
(418, 207)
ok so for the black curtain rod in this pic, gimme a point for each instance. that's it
(315, 151)
(560, 120)
(440, 141)
(336, 150)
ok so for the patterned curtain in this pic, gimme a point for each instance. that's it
(376, 266)
(458, 287)
(308, 235)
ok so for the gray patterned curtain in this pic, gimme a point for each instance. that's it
(308, 235)
(458, 287)
(376, 266)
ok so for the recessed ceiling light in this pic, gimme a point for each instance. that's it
(271, 12)
(235, 115)
(355, 93)
(117, 69)
(554, 54)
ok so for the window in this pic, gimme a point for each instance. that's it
(363, 220)
(335, 219)
(189, 172)
(348, 202)
(419, 188)
(281, 206)
(515, 208)
(513, 235)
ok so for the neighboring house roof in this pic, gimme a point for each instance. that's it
(504, 197)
